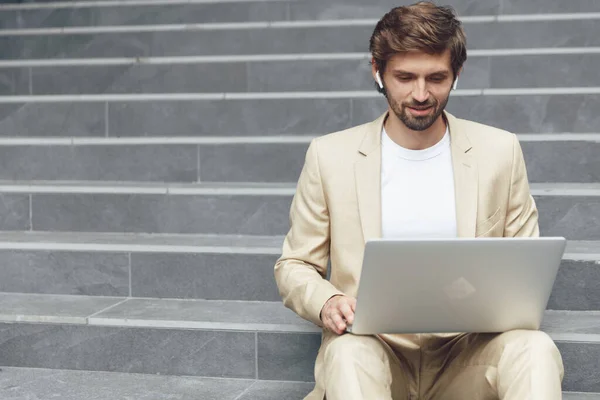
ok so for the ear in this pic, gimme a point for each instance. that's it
(375, 72)
(455, 84)
(378, 79)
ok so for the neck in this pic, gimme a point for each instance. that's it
(414, 140)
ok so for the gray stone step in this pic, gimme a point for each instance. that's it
(331, 9)
(577, 283)
(570, 210)
(230, 339)
(313, 37)
(46, 384)
(283, 162)
(254, 11)
(25, 16)
(547, 6)
(256, 116)
(211, 267)
(546, 70)
(246, 162)
(207, 266)
(145, 14)
(178, 163)
(580, 396)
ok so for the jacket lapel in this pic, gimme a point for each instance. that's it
(466, 178)
(367, 172)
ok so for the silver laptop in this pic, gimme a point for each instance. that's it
(455, 285)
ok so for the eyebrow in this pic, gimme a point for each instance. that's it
(401, 72)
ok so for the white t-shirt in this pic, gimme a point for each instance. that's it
(417, 191)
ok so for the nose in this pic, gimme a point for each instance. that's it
(420, 91)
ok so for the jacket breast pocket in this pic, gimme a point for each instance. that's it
(491, 226)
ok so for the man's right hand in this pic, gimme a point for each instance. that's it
(338, 313)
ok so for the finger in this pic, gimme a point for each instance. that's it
(339, 323)
(328, 320)
(330, 311)
(353, 304)
(347, 312)
(332, 327)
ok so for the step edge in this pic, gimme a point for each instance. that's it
(232, 188)
(251, 58)
(239, 140)
(285, 24)
(202, 325)
(119, 3)
(71, 246)
(561, 337)
(282, 95)
(96, 319)
(92, 241)
(43, 319)
(148, 248)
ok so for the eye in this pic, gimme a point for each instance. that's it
(437, 79)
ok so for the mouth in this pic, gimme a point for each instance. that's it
(420, 111)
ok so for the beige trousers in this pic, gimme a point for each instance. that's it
(516, 365)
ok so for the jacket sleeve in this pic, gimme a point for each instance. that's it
(521, 213)
(301, 270)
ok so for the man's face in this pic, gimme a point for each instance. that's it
(418, 86)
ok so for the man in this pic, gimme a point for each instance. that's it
(416, 171)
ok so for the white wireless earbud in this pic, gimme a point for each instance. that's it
(378, 77)
(455, 85)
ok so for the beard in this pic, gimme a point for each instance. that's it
(418, 123)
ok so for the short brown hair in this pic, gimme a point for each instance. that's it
(423, 26)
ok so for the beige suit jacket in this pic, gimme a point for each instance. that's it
(337, 208)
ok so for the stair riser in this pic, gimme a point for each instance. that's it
(140, 15)
(281, 163)
(548, 6)
(216, 214)
(577, 286)
(36, 383)
(173, 352)
(519, 114)
(260, 11)
(279, 356)
(334, 9)
(282, 76)
(578, 162)
(209, 276)
(248, 215)
(525, 34)
(582, 363)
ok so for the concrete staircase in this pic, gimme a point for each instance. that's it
(149, 153)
